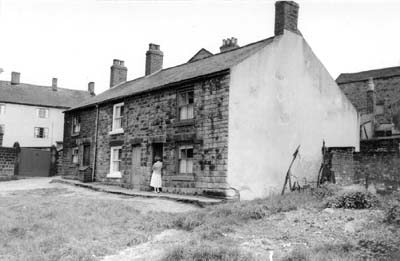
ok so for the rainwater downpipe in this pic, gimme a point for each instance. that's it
(95, 142)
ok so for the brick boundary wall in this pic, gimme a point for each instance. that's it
(8, 157)
(377, 163)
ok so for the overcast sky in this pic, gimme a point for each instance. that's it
(76, 40)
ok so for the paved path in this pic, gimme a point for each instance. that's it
(198, 200)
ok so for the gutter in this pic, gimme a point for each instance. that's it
(95, 142)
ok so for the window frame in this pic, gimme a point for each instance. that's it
(76, 122)
(45, 132)
(114, 129)
(2, 108)
(186, 159)
(75, 156)
(115, 174)
(184, 103)
(46, 113)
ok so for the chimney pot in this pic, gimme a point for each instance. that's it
(91, 88)
(54, 84)
(229, 44)
(154, 59)
(118, 72)
(286, 16)
(15, 78)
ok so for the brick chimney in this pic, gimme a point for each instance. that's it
(154, 59)
(15, 77)
(229, 44)
(118, 72)
(91, 88)
(371, 96)
(54, 84)
(286, 14)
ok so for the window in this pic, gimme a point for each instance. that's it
(41, 133)
(86, 155)
(186, 159)
(2, 108)
(185, 105)
(42, 112)
(115, 162)
(118, 114)
(75, 155)
(76, 124)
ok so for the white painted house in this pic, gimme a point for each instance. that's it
(33, 115)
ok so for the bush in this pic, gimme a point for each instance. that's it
(353, 199)
(392, 215)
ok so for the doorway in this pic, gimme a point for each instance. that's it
(157, 151)
(135, 173)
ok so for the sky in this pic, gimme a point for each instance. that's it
(76, 40)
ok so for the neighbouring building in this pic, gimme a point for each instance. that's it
(376, 96)
(33, 115)
(224, 124)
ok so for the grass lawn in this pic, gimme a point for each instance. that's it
(56, 224)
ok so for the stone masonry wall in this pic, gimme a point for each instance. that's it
(8, 158)
(85, 136)
(377, 163)
(152, 118)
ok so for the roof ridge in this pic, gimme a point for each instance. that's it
(40, 86)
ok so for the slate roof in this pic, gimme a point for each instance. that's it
(362, 76)
(163, 78)
(30, 94)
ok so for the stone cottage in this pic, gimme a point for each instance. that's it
(376, 96)
(224, 124)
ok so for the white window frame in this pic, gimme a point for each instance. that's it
(75, 155)
(45, 132)
(188, 167)
(2, 108)
(114, 174)
(76, 125)
(120, 117)
(185, 104)
(46, 113)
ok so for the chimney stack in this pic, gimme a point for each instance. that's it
(371, 96)
(229, 44)
(286, 15)
(91, 88)
(15, 77)
(154, 59)
(54, 84)
(118, 72)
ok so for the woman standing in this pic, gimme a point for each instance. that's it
(156, 181)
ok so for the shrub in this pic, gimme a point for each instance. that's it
(353, 199)
(392, 215)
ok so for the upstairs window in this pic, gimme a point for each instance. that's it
(76, 124)
(2, 109)
(186, 159)
(118, 114)
(41, 133)
(42, 112)
(75, 155)
(186, 105)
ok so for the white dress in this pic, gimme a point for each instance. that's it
(156, 181)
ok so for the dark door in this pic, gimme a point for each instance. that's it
(34, 162)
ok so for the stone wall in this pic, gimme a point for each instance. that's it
(377, 163)
(8, 158)
(152, 118)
